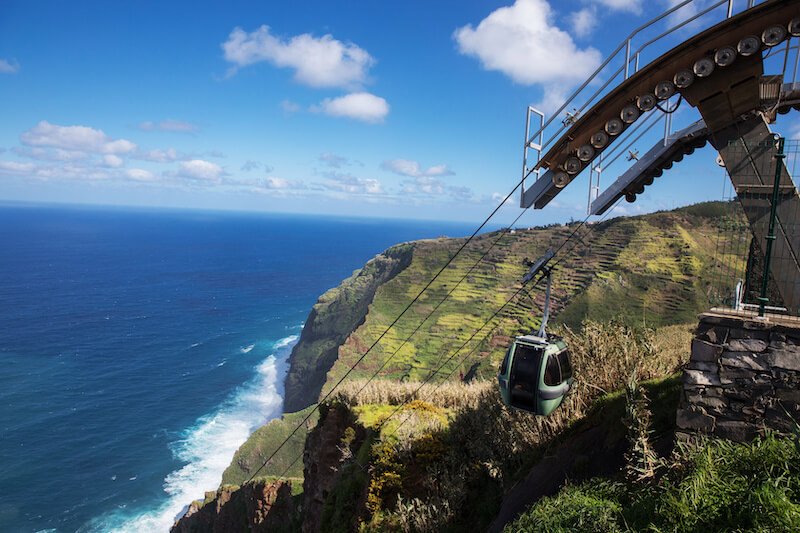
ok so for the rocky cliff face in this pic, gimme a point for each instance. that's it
(329, 459)
(332, 319)
(259, 506)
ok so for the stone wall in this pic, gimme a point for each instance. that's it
(743, 377)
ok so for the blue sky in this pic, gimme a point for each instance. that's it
(412, 109)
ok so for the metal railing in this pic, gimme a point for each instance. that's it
(749, 276)
(643, 45)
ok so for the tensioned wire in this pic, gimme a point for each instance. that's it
(406, 309)
(388, 328)
(432, 374)
(490, 332)
(438, 370)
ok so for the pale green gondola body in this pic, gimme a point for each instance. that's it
(535, 374)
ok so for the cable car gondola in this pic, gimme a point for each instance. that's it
(536, 373)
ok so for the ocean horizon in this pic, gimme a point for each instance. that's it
(141, 347)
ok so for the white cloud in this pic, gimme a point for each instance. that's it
(200, 170)
(169, 125)
(274, 183)
(15, 168)
(139, 174)
(317, 61)
(159, 156)
(423, 185)
(113, 161)
(499, 197)
(348, 183)
(407, 167)
(427, 186)
(77, 138)
(584, 21)
(8, 67)
(629, 6)
(48, 154)
(359, 106)
(523, 42)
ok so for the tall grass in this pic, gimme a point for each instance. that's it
(717, 486)
(486, 443)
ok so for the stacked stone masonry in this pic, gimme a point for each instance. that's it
(743, 378)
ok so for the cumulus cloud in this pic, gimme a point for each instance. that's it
(348, 183)
(412, 169)
(584, 21)
(113, 161)
(75, 138)
(361, 106)
(49, 154)
(282, 184)
(169, 125)
(139, 174)
(158, 155)
(523, 42)
(426, 186)
(8, 67)
(316, 61)
(629, 6)
(81, 170)
(200, 170)
(15, 168)
(499, 197)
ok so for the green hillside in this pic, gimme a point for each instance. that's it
(651, 270)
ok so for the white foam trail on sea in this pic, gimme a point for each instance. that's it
(208, 447)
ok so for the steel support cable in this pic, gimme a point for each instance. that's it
(385, 331)
(442, 365)
(413, 395)
(438, 370)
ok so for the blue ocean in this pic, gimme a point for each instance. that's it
(139, 349)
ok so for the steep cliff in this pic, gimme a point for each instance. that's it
(257, 507)
(332, 319)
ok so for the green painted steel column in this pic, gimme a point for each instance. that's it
(779, 156)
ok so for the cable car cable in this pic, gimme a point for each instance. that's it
(438, 305)
(385, 331)
(416, 298)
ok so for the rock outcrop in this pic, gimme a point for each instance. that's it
(333, 318)
(330, 455)
(259, 506)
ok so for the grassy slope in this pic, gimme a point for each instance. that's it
(719, 486)
(252, 454)
(652, 269)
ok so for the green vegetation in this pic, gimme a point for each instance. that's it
(625, 300)
(652, 271)
(716, 486)
(436, 468)
(260, 445)
(335, 315)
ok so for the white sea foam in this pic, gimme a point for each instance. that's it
(247, 349)
(286, 341)
(207, 447)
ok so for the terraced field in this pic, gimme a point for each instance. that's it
(652, 270)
